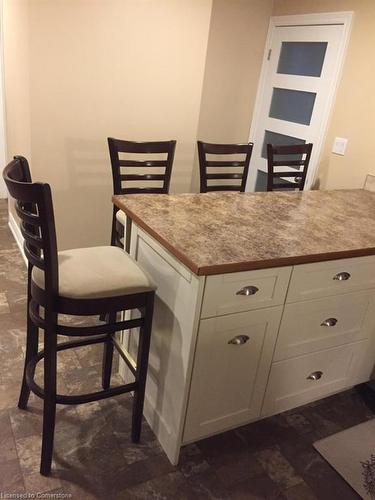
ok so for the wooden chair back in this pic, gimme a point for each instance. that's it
(288, 156)
(225, 167)
(37, 223)
(123, 182)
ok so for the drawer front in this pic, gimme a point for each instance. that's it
(297, 381)
(229, 378)
(320, 324)
(236, 292)
(310, 281)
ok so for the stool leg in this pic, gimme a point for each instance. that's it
(31, 349)
(120, 233)
(114, 230)
(108, 356)
(49, 408)
(141, 372)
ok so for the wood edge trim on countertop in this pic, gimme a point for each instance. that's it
(246, 265)
(174, 251)
(253, 265)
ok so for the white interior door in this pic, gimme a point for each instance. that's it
(296, 90)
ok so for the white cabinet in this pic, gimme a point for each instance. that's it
(325, 344)
(321, 279)
(317, 340)
(231, 367)
(320, 324)
(300, 333)
(294, 382)
(235, 292)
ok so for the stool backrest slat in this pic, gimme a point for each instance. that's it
(34, 207)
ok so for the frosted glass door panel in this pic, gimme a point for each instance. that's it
(281, 139)
(292, 105)
(302, 58)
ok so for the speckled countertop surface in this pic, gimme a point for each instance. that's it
(222, 232)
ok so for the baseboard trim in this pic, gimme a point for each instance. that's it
(17, 235)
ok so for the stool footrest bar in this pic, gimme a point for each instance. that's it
(74, 399)
(107, 328)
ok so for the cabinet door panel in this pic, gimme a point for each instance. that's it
(320, 324)
(294, 382)
(229, 379)
(322, 279)
(244, 291)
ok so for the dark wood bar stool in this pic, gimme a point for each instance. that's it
(85, 282)
(123, 183)
(288, 156)
(225, 166)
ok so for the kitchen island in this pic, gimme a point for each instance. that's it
(265, 301)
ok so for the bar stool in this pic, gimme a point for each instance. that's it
(117, 147)
(297, 156)
(85, 282)
(205, 148)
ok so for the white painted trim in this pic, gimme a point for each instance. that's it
(341, 17)
(261, 85)
(169, 428)
(3, 152)
(14, 227)
(181, 269)
(344, 18)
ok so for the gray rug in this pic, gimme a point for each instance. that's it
(352, 454)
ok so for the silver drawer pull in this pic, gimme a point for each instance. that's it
(329, 322)
(248, 290)
(342, 276)
(239, 340)
(315, 376)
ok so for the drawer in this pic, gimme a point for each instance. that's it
(243, 291)
(292, 383)
(229, 379)
(322, 279)
(320, 324)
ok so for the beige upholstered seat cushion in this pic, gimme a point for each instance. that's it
(120, 216)
(98, 272)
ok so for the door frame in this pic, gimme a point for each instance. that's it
(343, 18)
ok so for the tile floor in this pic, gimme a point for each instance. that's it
(94, 458)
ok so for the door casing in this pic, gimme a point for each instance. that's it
(327, 18)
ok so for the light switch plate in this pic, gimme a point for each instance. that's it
(339, 145)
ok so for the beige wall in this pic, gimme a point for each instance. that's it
(353, 114)
(16, 78)
(138, 70)
(123, 68)
(235, 50)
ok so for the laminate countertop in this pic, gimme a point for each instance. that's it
(221, 232)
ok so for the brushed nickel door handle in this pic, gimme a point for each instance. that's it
(329, 322)
(342, 276)
(248, 290)
(315, 375)
(239, 340)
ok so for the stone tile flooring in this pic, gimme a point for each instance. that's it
(94, 458)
